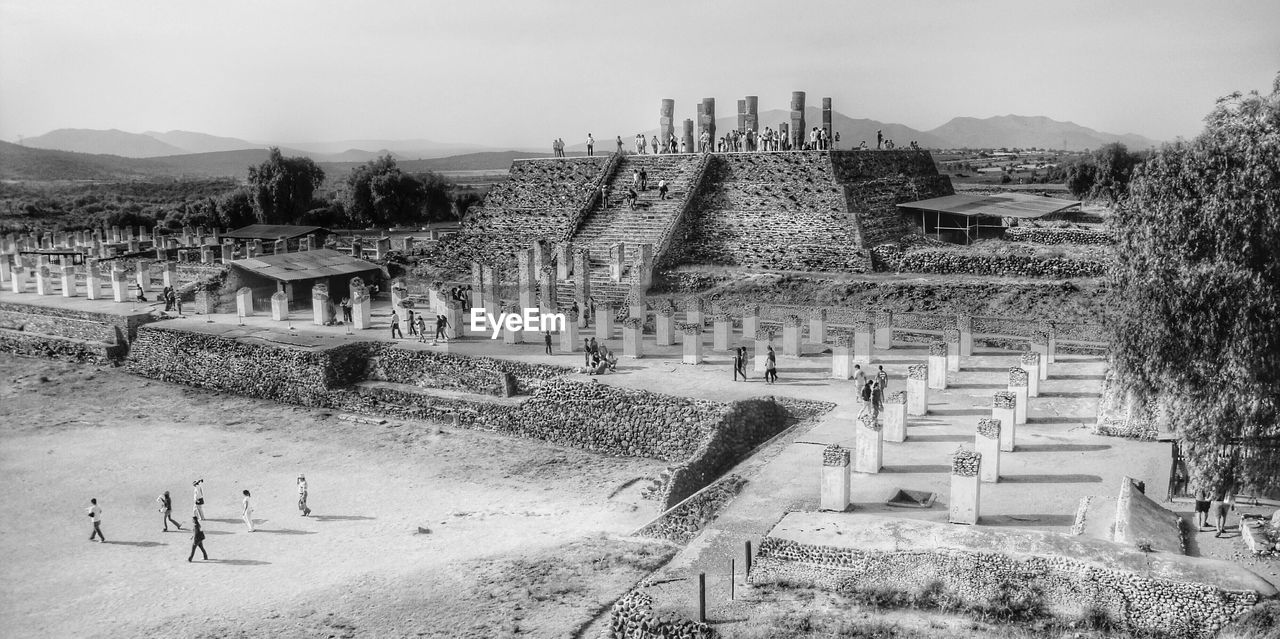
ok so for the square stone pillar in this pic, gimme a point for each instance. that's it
(454, 317)
(1004, 406)
(564, 260)
(965, 465)
(1051, 342)
(541, 258)
(582, 282)
(617, 261)
(817, 326)
(868, 444)
(6, 268)
(694, 308)
(435, 297)
(604, 320)
(692, 342)
(938, 365)
(633, 338)
(987, 443)
(526, 279)
(750, 319)
(253, 248)
(279, 306)
(884, 329)
(791, 326)
(637, 307)
(764, 339)
(135, 246)
(361, 308)
(895, 417)
(721, 329)
(92, 281)
(547, 302)
(399, 292)
(44, 280)
(489, 294)
(664, 324)
(569, 336)
(68, 280)
(964, 324)
(952, 337)
(1030, 362)
(244, 302)
(119, 285)
(357, 249)
(381, 248)
(842, 357)
(206, 255)
(918, 390)
(863, 336)
(18, 278)
(228, 252)
(170, 274)
(321, 308)
(161, 252)
(835, 479)
(305, 243)
(144, 275)
(1018, 386)
(1040, 346)
(508, 336)
(642, 267)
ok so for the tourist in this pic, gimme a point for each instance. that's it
(442, 322)
(704, 142)
(1222, 501)
(247, 511)
(619, 145)
(574, 309)
(591, 145)
(586, 349)
(302, 495)
(197, 540)
(859, 378)
(662, 189)
(865, 394)
(546, 339)
(770, 366)
(879, 139)
(863, 146)
(555, 148)
(644, 180)
(1201, 507)
(412, 329)
(95, 514)
(167, 296)
(684, 146)
(177, 302)
(395, 326)
(422, 328)
(561, 147)
(635, 179)
(654, 144)
(877, 397)
(346, 310)
(142, 297)
(883, 378)
(166, 511)
(595, 347)
(197, 498)
(631, 198)
(740, 363)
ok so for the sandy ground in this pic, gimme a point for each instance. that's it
(70, 433)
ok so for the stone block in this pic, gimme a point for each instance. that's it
(692, 352)
(18, 279)
(1004, 410)
(895, 417)
(228, 252)
(964, 324)
(244, 302)
(1040, 346)
(750, 320)
(952, 337)
(665, 326)
(633, 338)
(791, 338)
(722, 330)
(321, 307)
(987, 443)
(279, 307)
(144, 275)
(92, 282)
(918, 390)
(842, 358)
(569, 335)
(604, 321)
(68, 273)
(170, 274)
(1018, 386)
(44, 280)
(863, 341)
(1030, 362)
(526, 279)
(868, 444)
(119, 286)
(965, 486)
(836, 481)
(938, 366)
(818, 326)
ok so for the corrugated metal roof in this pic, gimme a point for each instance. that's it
(305, 265)
(272, 231)
(1019, 205)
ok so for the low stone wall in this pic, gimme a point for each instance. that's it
(73, 328)
(890, 257)
(442, 370)
(127, 325)
(59, 348)
(1036, 235)
(683, 522)
(633, 617)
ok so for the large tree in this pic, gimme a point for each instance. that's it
(1197, 287)
(380, 194)
(282, 187)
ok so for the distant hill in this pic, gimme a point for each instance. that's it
(113, 142)
(193, 142)
(1018, 131)
(406, 149)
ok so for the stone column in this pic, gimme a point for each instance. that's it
(693, 309)
(541, 258)
(92, 281)
(408, 245)
(708, 123)
(687, 138)
(664, 323)
(666, 120)
(206, 255)
(604, 320)
(170, 274)
(569, 336)
(1018, 386)
(692, 342)
(547, 303)
(722, 328)
(842, 357)
(784, 136)
(1040, 345)
(965, 465)
(742, 115)
(361, 306)
(68, 280)
(826, 119)
(308, 243)
(952, 337)
(1030, 362)
(279, 306)
(791, 326)
(244, 302)
(44, 280)
(255, 248)
(835, 479)
(18, 278)
(895, 417)
(399, 292)
(1051, 341)
(642, 267)
(381, 247)
(617, 261)
(490, 292)
(527, 279)
(938, 365)
(119, 284)
(884, 329)
(582, 281)
(321, 309)
(799, 132)
(281, 246)
(633, 338)
(868, 444)
(510, 336)
(987, 443)
(964, 323)
(637, 308)
(144, 275)
(817, 326)
(435, 297)
(863, 332)
(453, 313)
(6, 268)
(228, 252)
(750, 319)
(764, 338)
(161, 253)
(564, 260)
(753, 113)
(1004, 407)
(918, 390)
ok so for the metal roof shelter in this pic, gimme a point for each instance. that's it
(274, 232)
(305, 265)
(963, 216)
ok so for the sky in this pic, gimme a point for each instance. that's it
(517, 73)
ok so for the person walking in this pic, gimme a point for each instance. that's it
(1223, 501)
(197, 540)
(346, 310)
(395, 326)
(879, 139)
(662, 189)
(247, 511)
(422, 328)
(883, 378)
(859, 378)
(413, 328)
(95, 514)
(546, 339)
(177, 302)
(644, 180)
(771, 366)
(740, 363)
(302, 496)
(1202, 508)
(877, 397)
(442, 322)
(654, 144)
(166, 511)
(197, 499)
(586, 349)
(591, 145)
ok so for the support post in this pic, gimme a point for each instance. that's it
(868, 444)
(835, 479)
(791, 326)
(818, 326)
(1004, 407)
(1030, 362)
(1018, 386)
(938, 365)
(987, 443)
(952, 337)
(895, 417)
(965, 484)
(918, 390)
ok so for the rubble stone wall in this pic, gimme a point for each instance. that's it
(127, 325)
(443, 370)
(71, 327)
(1037, 235)
(59, 348)
(947, 261)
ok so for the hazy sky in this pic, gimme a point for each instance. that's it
(520, 72)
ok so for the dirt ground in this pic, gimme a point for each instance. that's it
(523, 536)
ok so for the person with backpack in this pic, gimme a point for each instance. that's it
(302, 496)
(95, 514)
(197, 540)
(166, 511)
(662, 189)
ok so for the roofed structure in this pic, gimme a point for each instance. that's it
(963, 217)
(305, 265)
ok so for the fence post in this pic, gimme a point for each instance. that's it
(732, 577)
(702, 597)
(748, 559)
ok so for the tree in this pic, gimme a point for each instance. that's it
(1080, 178)
(380, 194)
(1114, 169)
(282, 187)
(1197, 287)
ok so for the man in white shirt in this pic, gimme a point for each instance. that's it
(95, 513)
